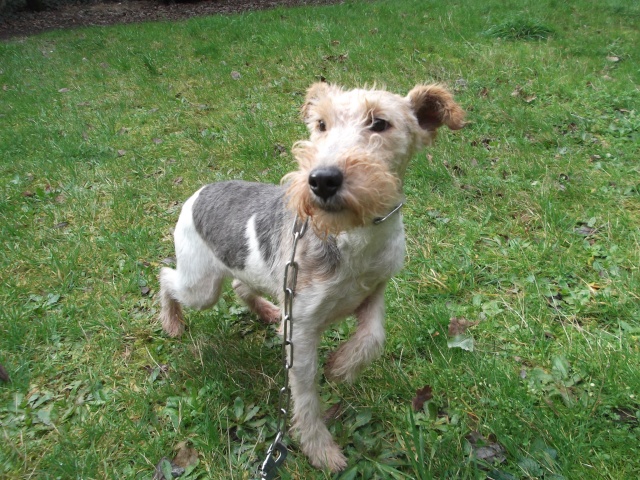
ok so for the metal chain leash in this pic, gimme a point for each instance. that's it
(277, 451)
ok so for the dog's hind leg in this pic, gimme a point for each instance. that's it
(197, 280)
(267, 311)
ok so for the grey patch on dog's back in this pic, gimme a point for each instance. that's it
(221, 213)
(269, 226)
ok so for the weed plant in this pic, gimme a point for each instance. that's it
(523, 228)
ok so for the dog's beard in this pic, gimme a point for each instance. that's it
(369, 190)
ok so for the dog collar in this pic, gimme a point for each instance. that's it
(379, 220)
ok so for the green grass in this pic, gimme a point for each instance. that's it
(520, 28)
(527, 221)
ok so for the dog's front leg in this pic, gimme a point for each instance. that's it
(367, 343)
(315, 440)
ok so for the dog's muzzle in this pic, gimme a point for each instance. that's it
(325, 182)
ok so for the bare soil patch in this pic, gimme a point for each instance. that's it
(25, 23)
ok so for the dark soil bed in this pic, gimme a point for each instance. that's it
(26, 23)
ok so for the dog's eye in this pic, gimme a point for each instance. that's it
(322, 126)
(379, 125)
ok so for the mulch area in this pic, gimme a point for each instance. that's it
(25, 23)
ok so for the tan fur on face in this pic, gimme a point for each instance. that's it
(369, 190)
(373, 164)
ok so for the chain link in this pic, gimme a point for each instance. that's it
(277, 451)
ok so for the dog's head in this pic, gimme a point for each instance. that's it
(352, 167)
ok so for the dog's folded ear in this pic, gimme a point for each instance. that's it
(434, 106)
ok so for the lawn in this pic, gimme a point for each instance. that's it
(518, 308)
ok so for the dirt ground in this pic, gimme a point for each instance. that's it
(21, 24)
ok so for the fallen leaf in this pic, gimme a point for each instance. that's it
(623, 414)
(28, 193)
(461, 84)
(177, 181)
(530, 98)
(164, 368)
(486, 450)
(280, 149)
(236, 75)
(585, 230)
(613, 58)
(61, 225)
(459, 325)
(122, 153)
(465, 342)
(332, 413)
(485, 142)
(63, 90)
(554, 300)
(166, 470)
(145, 291)
(186, 456)
(336, 58)
(157, 141)
(423, 395)
(4, 376)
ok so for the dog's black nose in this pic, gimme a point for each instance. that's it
(325, 181)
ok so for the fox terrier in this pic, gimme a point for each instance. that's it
(349, 188)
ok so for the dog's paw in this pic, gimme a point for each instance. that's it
(338, 369)
(172, 322)
(329, 457)
(267, 311)
(173, 329)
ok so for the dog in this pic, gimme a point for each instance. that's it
(348, 187)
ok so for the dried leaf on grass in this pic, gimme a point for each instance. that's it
(332, 413)
(184, 462)
(488, 451)
(186, 456)
(4, 376)
(458, 338)
(165, 470)
(459, 325)
(423, 395)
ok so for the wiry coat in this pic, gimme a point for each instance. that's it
(240, 230)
